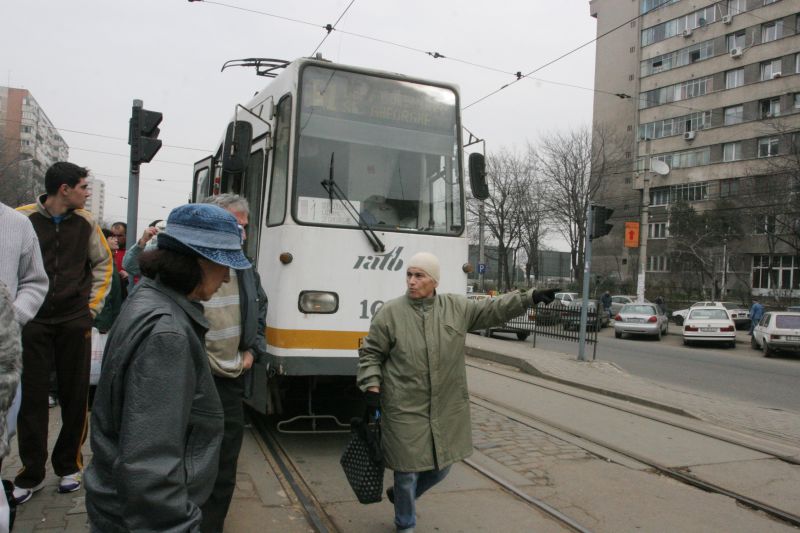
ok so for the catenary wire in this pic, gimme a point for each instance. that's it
(331, 27)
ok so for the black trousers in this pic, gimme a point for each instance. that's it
(66, 346)
(215, 508)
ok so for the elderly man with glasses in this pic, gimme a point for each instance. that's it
(237, 315)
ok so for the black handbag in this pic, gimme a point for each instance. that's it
(362, 460)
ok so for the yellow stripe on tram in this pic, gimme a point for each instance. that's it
(315, 339)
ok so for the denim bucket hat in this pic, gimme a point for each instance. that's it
(210, 231)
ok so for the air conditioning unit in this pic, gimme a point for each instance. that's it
(776, 75)
(736, 52)
(727, 19)
(689, 135)
(687, 32)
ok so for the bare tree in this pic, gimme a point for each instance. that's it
(508, 175)
(533, 224)
(573, 165)
(696, 239)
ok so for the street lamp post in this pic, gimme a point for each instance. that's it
(662, 169)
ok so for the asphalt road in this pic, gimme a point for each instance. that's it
(740, 373)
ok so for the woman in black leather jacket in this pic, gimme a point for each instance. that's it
(157, 419)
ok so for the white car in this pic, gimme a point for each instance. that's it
(777, 331)
(739, 314)
(709, 324)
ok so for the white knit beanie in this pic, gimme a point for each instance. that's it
(427, 262)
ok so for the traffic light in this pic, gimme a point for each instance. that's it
(600, 216)
(143, 135)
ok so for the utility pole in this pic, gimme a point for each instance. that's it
(724, 290)
(587, 267)
(654, 166)
(481, 251)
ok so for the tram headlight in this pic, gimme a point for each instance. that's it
(321, 302)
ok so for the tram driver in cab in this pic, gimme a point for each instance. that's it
(411, 368)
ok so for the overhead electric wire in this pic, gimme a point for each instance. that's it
(331, 27)
(104, 136)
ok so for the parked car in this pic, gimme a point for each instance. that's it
(739, 313)
(777, 331)
(521, 325)
(563, 299)
(640, 319)
(709, 324)
(571, 316)
(617, 301)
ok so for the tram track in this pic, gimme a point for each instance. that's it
(557, 430)
(291, 477)
(532, 380)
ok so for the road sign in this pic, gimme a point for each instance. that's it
(631, 234)
(481, 268)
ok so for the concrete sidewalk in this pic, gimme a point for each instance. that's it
(260, 501)
(606, 378)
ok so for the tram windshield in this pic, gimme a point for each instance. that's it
(394, 148)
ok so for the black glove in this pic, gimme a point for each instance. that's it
(373, 401)
(544, 296)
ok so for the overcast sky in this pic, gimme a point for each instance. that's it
(85, 61)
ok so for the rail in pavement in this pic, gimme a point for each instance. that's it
(608, 379)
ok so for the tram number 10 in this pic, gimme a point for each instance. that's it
(371, 308)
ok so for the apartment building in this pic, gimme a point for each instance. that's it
(29, 144)
(96, 204)
(712, 89)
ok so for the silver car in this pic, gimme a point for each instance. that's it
(640, 319)
(619, 300)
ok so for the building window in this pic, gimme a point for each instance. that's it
(770, 108)
(735, 7)
(797, 100)
(776, 272)
(771, 31)
(734, 115)
(734, 78)
(797, 56)
(767, 146)
(657, 230)
(768, 2)
(764, 224)
(728, 187)
(689, 192)
(649, 5)
(736, 40)
(659, 196)
(27, 129)
(657, 263)
(770, 69)
(732, 151)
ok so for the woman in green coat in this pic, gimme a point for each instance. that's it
(411, 366)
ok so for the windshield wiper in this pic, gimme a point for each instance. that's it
(333, 189)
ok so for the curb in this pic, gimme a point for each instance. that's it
(526, 367)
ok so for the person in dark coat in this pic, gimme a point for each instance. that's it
(157, 419)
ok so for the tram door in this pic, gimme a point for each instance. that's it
(253, 188)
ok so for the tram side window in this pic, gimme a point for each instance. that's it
(280, 164)
(202, 184)
(252, 185)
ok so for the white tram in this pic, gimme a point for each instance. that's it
(349, 172)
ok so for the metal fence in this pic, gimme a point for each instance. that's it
(561, 322)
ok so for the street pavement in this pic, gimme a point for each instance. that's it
(610, 379)
(567, 473)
